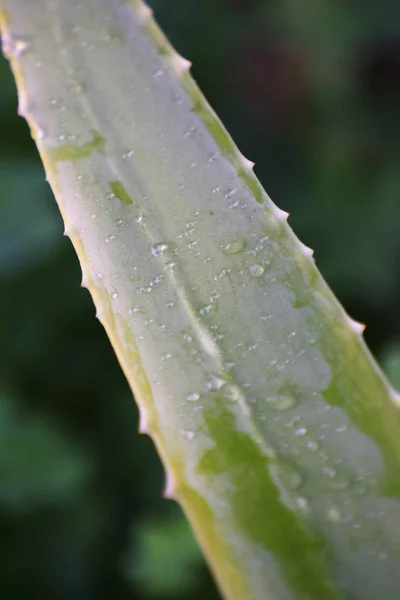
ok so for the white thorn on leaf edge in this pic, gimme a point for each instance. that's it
(280, 214)
(144, 12)
(180, 64)
(357, 327)
(22, 109)
(7, 44)
(169, 487)
(309, 252)
(247, 164)
(143, 423)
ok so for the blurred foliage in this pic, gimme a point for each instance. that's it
(168, 558)
(310, 90)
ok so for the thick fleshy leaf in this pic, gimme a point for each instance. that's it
(279, 433)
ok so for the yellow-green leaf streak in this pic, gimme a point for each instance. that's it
(279, 434)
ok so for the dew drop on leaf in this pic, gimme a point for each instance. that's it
(256, 270)
(188, 434)
(281, 402)
(233, 246)
(159, 249)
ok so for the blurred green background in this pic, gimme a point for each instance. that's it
(310, 90)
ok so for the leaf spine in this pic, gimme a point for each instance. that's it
(308, 252)
(22, 109)
(143, 423)
(180, 64)
(168, 492)
(248, 165)
(280, 214)
(356, 326)
(144, 12)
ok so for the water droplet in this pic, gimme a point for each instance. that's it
(128, 154)
(233, 393)
(136, 309)
(229, 366)
(188, 434)
(170, 266)
(256, 270)
(215, 383)
(120, 222)
(110, 238)
(205, 310)
(140, 219)
(187, 337)
(341, 428)
(214, 297)
(337, 484)
(169, 304)
(54, 101)
(329, 472)
(302, 503)
(159, 249)
(193, 397)
(233, 246)
(114, 295)
(20, 47)
(289, 477)
(281, 402)
(312, 446)
(333, 514)
(228, 195)
(300, 431)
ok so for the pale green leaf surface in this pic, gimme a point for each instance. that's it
(279, 434)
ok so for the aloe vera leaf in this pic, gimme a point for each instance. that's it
(278, 431)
